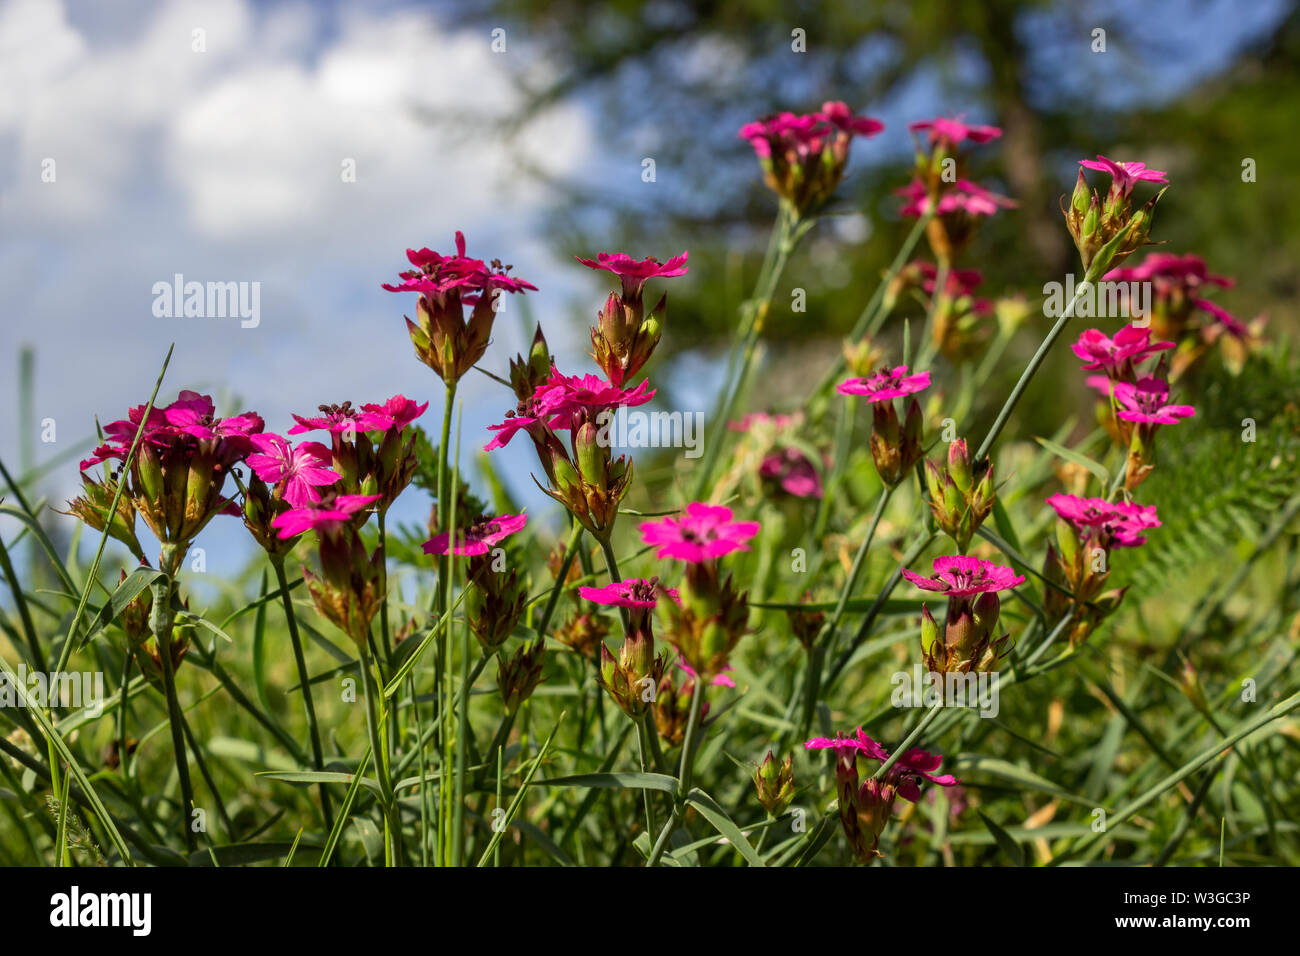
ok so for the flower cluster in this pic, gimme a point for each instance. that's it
(444, 338)
(865, 806)
(1182, 313)
(1108, 231)
(895, 449)
(969, 640)
(803, 156)
(939, 186)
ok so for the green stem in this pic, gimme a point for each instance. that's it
(374, 729)
(161, 618)
(683, 776)
(1040, 356)
(304, 682)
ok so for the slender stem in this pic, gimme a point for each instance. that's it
(1013, 399)
(825, 642)
(611, 562)
(643, 752)
(304, 682)
(683, 775)
(161, 620)
(374, 729)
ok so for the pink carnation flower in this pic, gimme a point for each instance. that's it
(702, 533)
(631, 592)
(1121, 522)
(914, 764)
(343, 419)
(1148, 401)
(302, 469)
(791, 469)
(399, 410)
(1124, 176)
(479, 537)
(961, 576)
(324, 515)
(1130, 344)
(566, 396)
(954, 131)
(1165, 269)
(963, 196)
(1230, 322)
(634, 273)
(885, 385)
(436, 275)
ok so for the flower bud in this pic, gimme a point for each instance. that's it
(774, 784)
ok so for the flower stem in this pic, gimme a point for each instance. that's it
(683, 775)
(304, 681)
(1013, 399)
(392, 820)
(161, 618)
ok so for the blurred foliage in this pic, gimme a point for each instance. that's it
(674, 81)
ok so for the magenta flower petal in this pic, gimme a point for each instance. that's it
(886, 385)
(962, 575)
(702, 533)
(479, 537)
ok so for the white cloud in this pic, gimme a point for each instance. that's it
(225, 165)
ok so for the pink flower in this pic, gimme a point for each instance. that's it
(914, 764)
(635, 273)
(963, 196)
(859, 744)
(704, 532)
(1166, 269)
(399, 410)
(792, 470)
(960, 282)
(838, 114)
(479, 537)
(719, 680)
(1147, 401)
(961, 576)
(1130, 344)
(955, 131)
(302, 469)
(191, 416)
(568, 396)
(325, 515)
(630, 592)
(436, 275)
(1120, 523)
(343, 419)
(802, 136)
(885, 385)
(1229, 321)
(521, 418)
(1124, 176)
